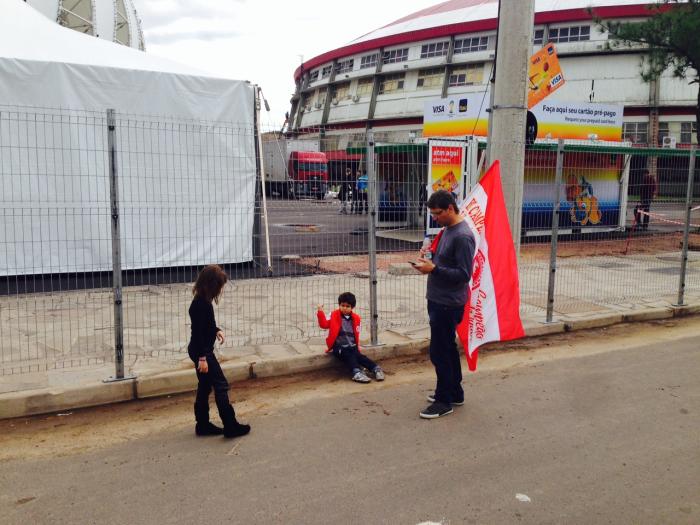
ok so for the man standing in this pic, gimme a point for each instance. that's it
(449, 269)
(362, 183)
(646, 194)
(344, 193)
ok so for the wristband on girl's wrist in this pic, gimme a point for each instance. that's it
(202, 358)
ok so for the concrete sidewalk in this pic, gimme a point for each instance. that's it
(275, 332)
(64, 390)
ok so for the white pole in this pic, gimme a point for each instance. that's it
(258, 98)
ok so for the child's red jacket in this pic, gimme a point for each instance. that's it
(333, 326)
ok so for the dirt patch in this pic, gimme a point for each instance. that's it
(81, 430)
(529, 253)
(632, 245)
(356, 263)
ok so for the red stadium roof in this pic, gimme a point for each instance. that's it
(467, 16)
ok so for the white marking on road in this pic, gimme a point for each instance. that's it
(523, 497)
(233, 450)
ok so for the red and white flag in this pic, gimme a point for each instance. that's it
(492, 312)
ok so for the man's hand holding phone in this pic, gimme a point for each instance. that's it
(423, 265)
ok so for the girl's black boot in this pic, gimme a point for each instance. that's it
(233, 428)
(204, 427)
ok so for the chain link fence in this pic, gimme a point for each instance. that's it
(106, 220)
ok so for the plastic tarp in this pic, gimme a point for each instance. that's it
(185, 154)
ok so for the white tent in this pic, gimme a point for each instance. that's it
(184, 139)
(44, 64)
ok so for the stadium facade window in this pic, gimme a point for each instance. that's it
(689, 132)
(436, 49)
(306, 99)
(345, 65)
(321, 97)
(395, 55)
(664, 131)
(392, 83)
(368, 61)
(467, 75)
(326, 71)
(569, 34)
(636, 132)
(313, 76)
(341, 91)
(122, 32)
(538, 37)
(471, 45)
(364, 86)
(79, 17)
(430, 78)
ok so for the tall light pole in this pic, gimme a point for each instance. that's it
(509, 109)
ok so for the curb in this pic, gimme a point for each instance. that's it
(42, 401)
(33, 402)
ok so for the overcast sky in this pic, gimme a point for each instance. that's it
(261, 40)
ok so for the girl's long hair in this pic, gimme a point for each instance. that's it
(210, 282)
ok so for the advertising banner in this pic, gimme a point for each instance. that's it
(577, 121)
(544, 75)
(459, 115)
(590, 195)
(465, 116)
(445, 171)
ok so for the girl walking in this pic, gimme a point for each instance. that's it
(207, 289)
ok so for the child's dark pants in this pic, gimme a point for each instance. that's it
(213, 379)
(353, 359)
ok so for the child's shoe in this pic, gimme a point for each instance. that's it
(236, 430)
(360, 377)
(232, 428)
(378, 374)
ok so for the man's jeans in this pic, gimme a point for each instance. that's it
(443, 351)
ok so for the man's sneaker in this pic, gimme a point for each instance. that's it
(437, 409)
(378, 374)
(361, 377)
(431, 399)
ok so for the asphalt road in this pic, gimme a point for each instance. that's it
(311, 227)
(597, 427)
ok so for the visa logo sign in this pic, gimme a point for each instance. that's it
(438, 109)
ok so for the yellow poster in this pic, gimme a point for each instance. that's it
(445, 172)
(446, 168)
(544, 75)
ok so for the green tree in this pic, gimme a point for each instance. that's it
(671, 35)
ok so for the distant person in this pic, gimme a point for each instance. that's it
(647, 193)
(345, 192)
(208, 287)
(343, 339)
(361, 186)
(448, 265)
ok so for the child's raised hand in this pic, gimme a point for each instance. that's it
(221, 337)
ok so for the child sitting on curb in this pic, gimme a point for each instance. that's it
(343, 339)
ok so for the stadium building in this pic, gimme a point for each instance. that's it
(383, 78)
(113, 20)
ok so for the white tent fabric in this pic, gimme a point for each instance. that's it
(186, 154)
(44, 64)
